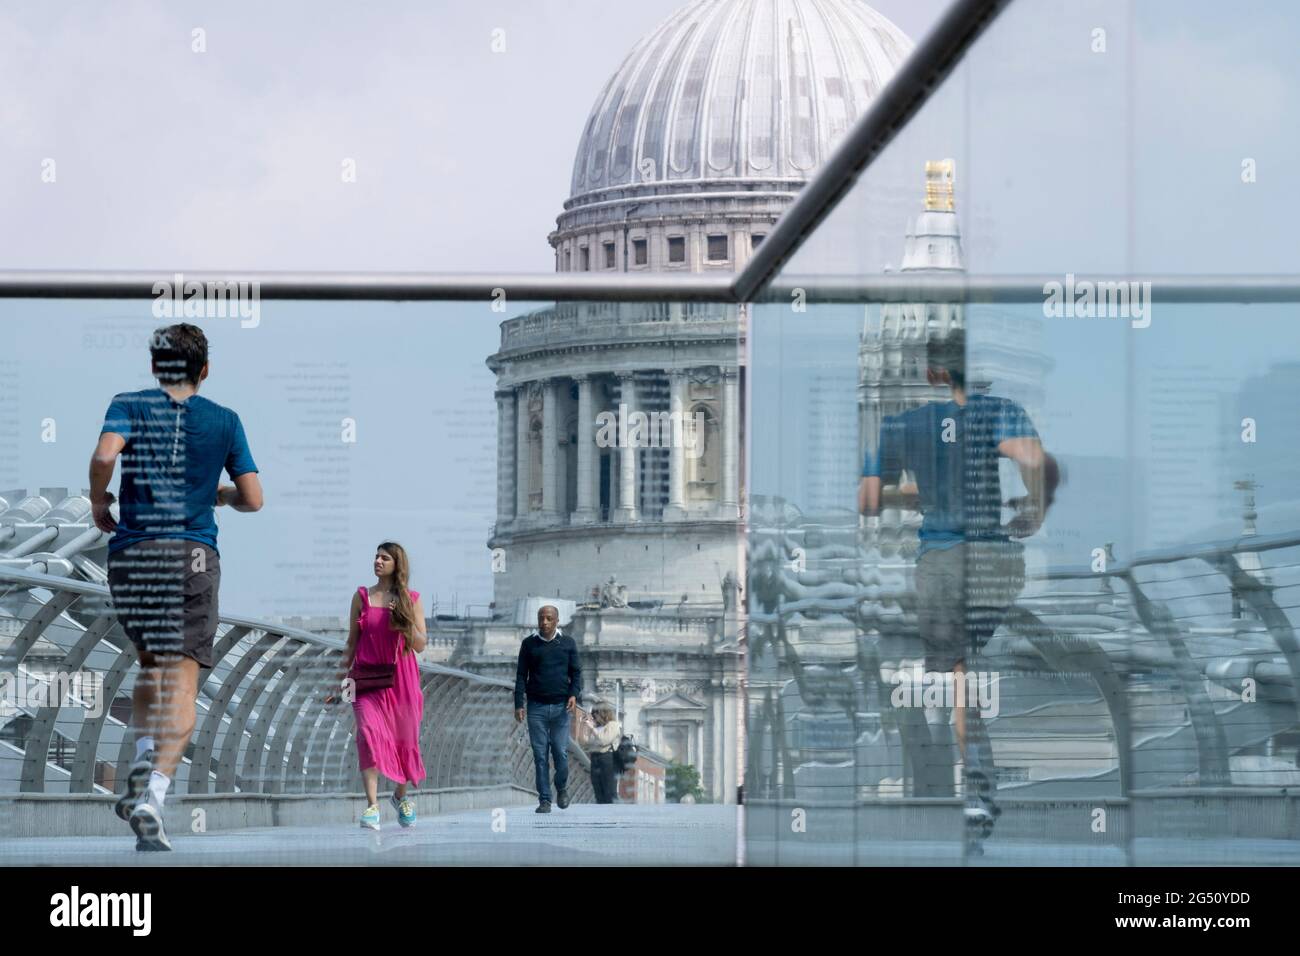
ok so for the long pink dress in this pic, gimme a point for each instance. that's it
(388, 721)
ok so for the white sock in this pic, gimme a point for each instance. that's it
(158, 784)
(142, 746)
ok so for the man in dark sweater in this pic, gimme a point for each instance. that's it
(550, 676)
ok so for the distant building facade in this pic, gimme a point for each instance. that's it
(620, 472)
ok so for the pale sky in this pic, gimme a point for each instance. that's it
(232, 158)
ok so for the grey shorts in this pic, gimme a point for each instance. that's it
(165, 596)
(962, 594)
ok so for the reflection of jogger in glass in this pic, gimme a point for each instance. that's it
(163, 568)
(968, 570)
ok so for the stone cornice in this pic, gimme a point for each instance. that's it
(611, 530)
(586, 347)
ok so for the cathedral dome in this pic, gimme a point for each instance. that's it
(736, 90)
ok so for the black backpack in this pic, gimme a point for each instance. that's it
(625, 754)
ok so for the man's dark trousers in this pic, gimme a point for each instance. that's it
(548, 729)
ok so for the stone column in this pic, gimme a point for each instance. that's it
(550, 451)
(725, 780)
(506, 467)
(676, 507)
(521, 452)
(627, 503)
(730, 443)
(586, 512)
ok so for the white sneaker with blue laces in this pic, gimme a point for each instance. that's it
(405, 810)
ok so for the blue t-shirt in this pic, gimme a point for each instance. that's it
(171, 465)
(952, 452)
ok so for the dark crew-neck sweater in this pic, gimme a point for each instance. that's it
(548, 671)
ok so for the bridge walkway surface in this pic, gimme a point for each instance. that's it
(583, 834)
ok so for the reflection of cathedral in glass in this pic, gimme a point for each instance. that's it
(1004, 346)
(894, 335)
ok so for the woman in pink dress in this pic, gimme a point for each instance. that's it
(388, 627)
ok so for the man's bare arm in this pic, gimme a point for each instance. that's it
(1041, 475)
(244, 495)
(1038, 469)
(872, 496)
(869, 496)
(102, 463)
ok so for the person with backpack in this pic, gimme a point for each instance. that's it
(603, 737)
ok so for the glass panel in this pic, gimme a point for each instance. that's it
(1137, 641)
(1096, 137)
(1173, 461)
(587, 456)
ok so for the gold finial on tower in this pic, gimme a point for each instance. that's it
(939, 175)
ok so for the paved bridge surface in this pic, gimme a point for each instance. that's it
(584, 834)
(591, 835)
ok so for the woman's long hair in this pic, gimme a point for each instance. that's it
(402, 609)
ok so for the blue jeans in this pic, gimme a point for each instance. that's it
(548, 729)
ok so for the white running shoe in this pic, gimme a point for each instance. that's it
(147, 822)
(137, 781)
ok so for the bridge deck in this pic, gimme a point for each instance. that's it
(664, 834)
(586, 834)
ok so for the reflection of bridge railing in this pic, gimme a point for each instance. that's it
(1185, 699)
(262, 724)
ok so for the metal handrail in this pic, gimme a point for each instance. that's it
(644, 287)
(260, 687)
(1213, 729)
(908, 90)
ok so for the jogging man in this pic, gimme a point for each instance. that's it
(550, 676)
(163, 568)
(968, 570)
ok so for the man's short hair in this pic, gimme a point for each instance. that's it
(948, 354)
(179, 353)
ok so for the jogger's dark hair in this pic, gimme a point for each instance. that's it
(179, 353)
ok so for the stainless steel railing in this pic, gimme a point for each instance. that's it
(1179, 668)
(262, 724)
